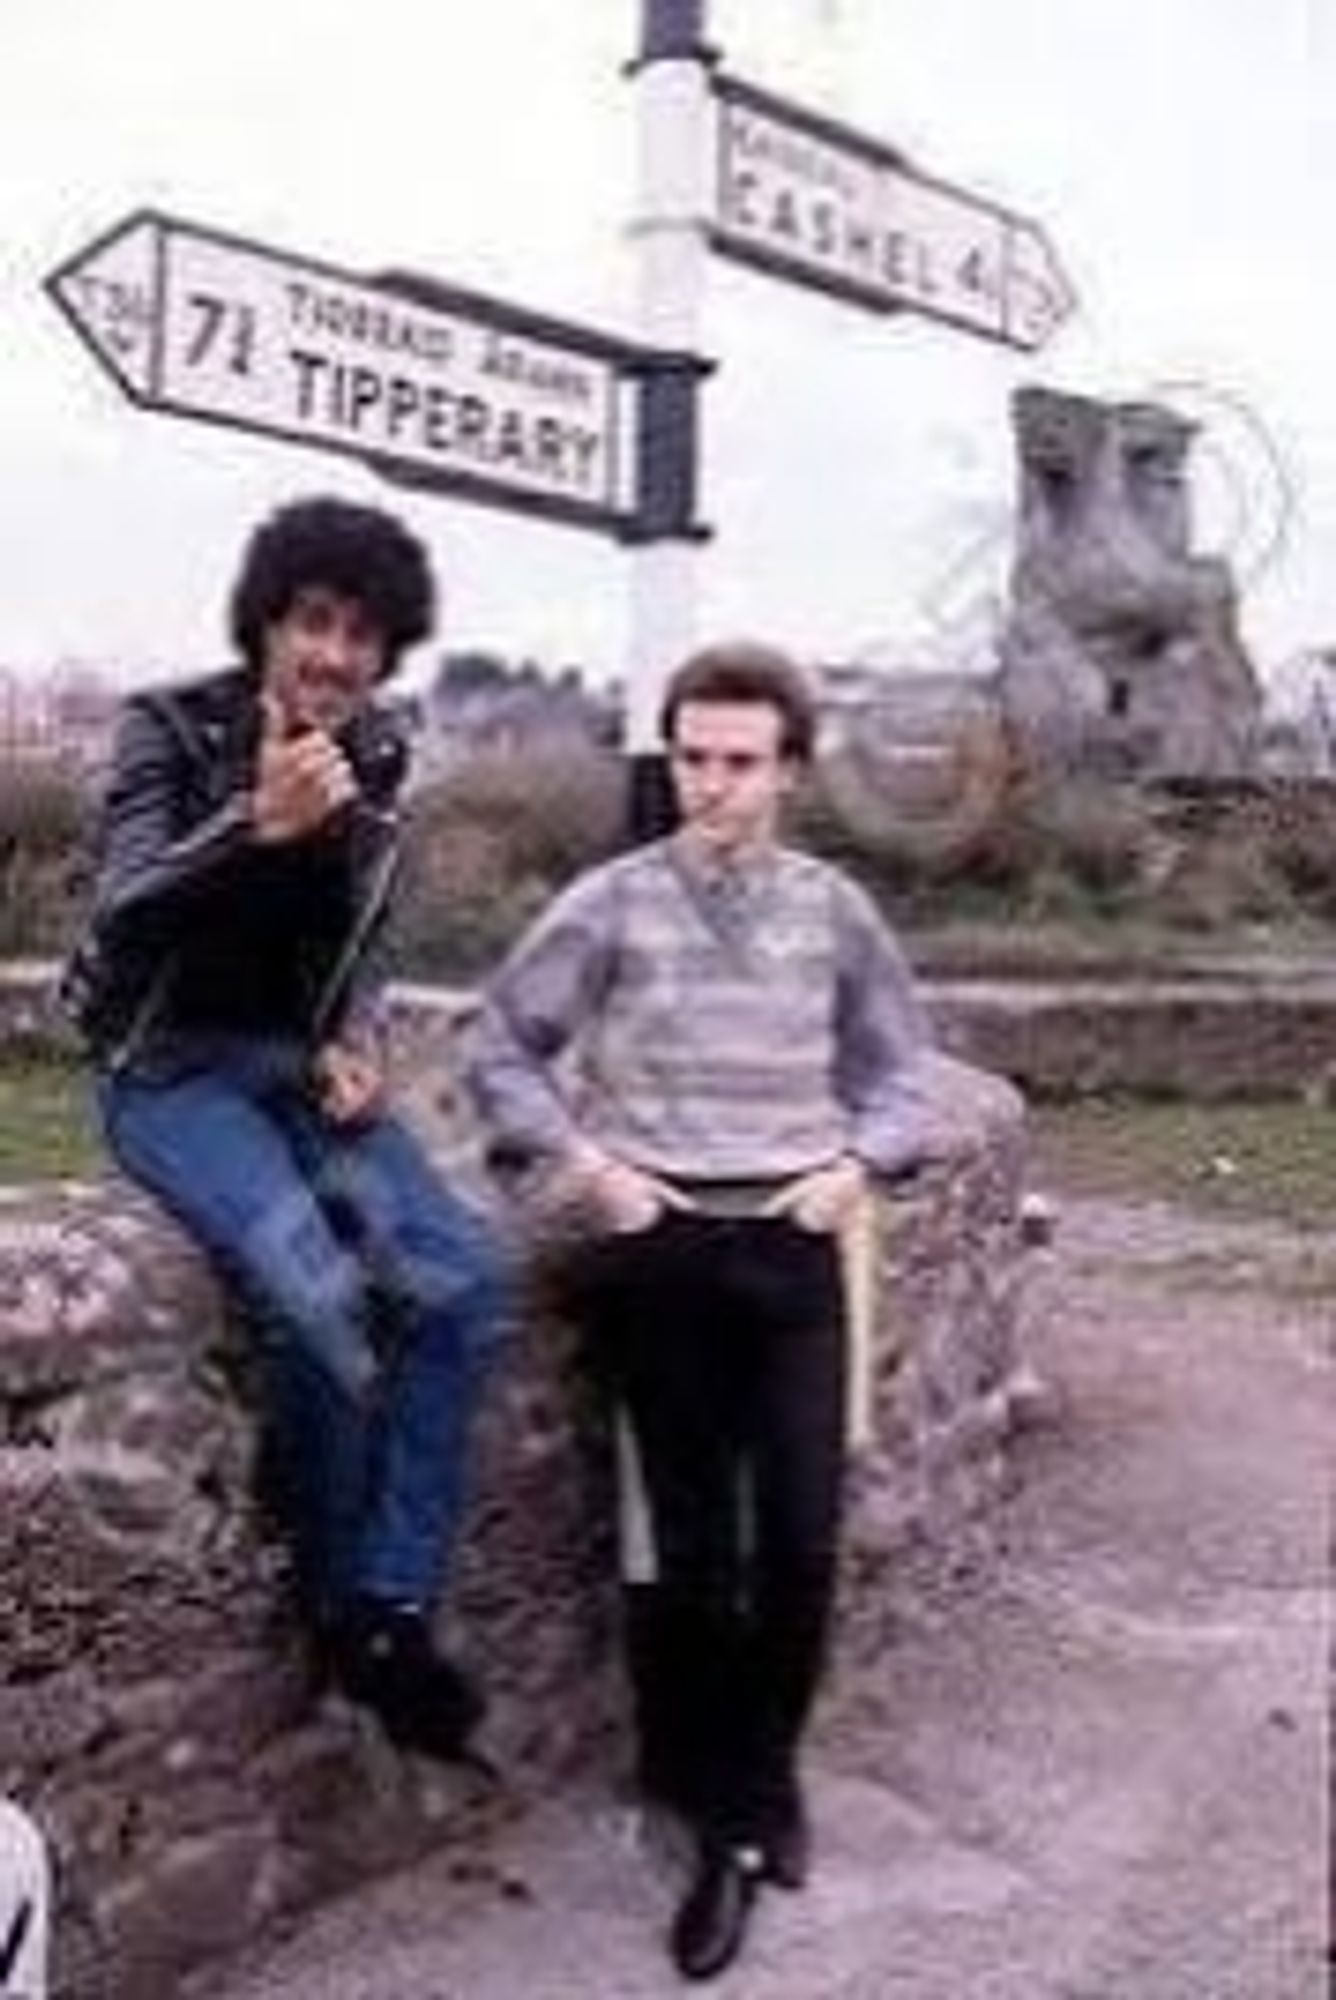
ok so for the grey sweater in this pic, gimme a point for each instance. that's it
(712, 1025)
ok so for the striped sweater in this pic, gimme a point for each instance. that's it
(711, 1024)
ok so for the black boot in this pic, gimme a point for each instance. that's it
(384, 1658)
(710, 1927)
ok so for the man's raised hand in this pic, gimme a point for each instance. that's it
(301, 780)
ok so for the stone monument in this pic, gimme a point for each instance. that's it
(1121, 649)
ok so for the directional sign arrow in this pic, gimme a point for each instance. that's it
(425, 381)
(805, 198)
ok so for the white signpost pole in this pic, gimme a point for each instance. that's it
(728, 167)
(672, 79)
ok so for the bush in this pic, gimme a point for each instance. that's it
(992, 837)
(490, 843)
(44, 815)
(1093, 837)
(1301, 846)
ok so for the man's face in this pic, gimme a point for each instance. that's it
(729, 773)
(321, 659)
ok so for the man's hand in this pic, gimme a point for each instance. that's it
(821, 1201)
(350, 1084)
(300, 781)
(626, 1198)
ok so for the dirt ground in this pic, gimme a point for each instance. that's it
(1097, 1770)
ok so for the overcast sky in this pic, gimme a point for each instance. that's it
(1181, 154)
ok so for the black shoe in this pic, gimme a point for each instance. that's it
(384, 1659)
(787, 1846)
(711, 1923)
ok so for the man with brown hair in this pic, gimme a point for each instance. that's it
(739, 1044)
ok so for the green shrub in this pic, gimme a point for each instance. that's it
(489, 844)
(1012, 846)
(1301, 847)
(44, 813)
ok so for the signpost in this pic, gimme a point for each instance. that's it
(431, 385)
(447, 389)
(728, 167)
(803, 197)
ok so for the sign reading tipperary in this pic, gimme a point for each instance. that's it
(426, 382)
(803, 197)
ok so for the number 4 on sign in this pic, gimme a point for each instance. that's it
(976, 275)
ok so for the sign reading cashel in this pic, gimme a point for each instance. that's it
(807, 199)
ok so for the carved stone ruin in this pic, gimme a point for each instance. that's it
(1121, 649)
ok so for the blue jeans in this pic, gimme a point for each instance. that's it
(375, 1293)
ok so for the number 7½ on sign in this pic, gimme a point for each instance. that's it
(491, 399)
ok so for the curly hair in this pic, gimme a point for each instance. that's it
(359, 553)
(743, 670)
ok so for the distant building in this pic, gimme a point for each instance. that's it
(1299, 734)
(478, 703)
(65, 716)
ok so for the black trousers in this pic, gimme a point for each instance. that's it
(724, 1338)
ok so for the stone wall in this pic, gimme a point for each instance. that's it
(1209, 1041)
(156, 1712)
(1264, 1029)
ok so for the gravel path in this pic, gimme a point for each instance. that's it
(1096, 1772)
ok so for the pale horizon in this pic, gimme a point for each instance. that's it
(1177, 157)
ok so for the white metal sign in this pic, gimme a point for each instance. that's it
(803, 197)
(423, 379)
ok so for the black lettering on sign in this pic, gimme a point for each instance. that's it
(368, 391)
(738, 194)
(471, 423)
(926, 286)
(404, 404)
(859, 243)
(122, 312)
(894, 256)
(218, 320)
(583, 447)
(784, 215)
(208, 312)
(548, 441)
(825, 230)
(436, 420)
(549, 375)
(510, 440)
(975, 275)
(308, 366)
(396, 412)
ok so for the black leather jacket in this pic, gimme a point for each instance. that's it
(177, 853)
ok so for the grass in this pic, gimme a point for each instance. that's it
(1244, 1160)
(1241, 1160)
(46, 1123)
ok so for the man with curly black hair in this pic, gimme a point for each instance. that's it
(248, 848)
